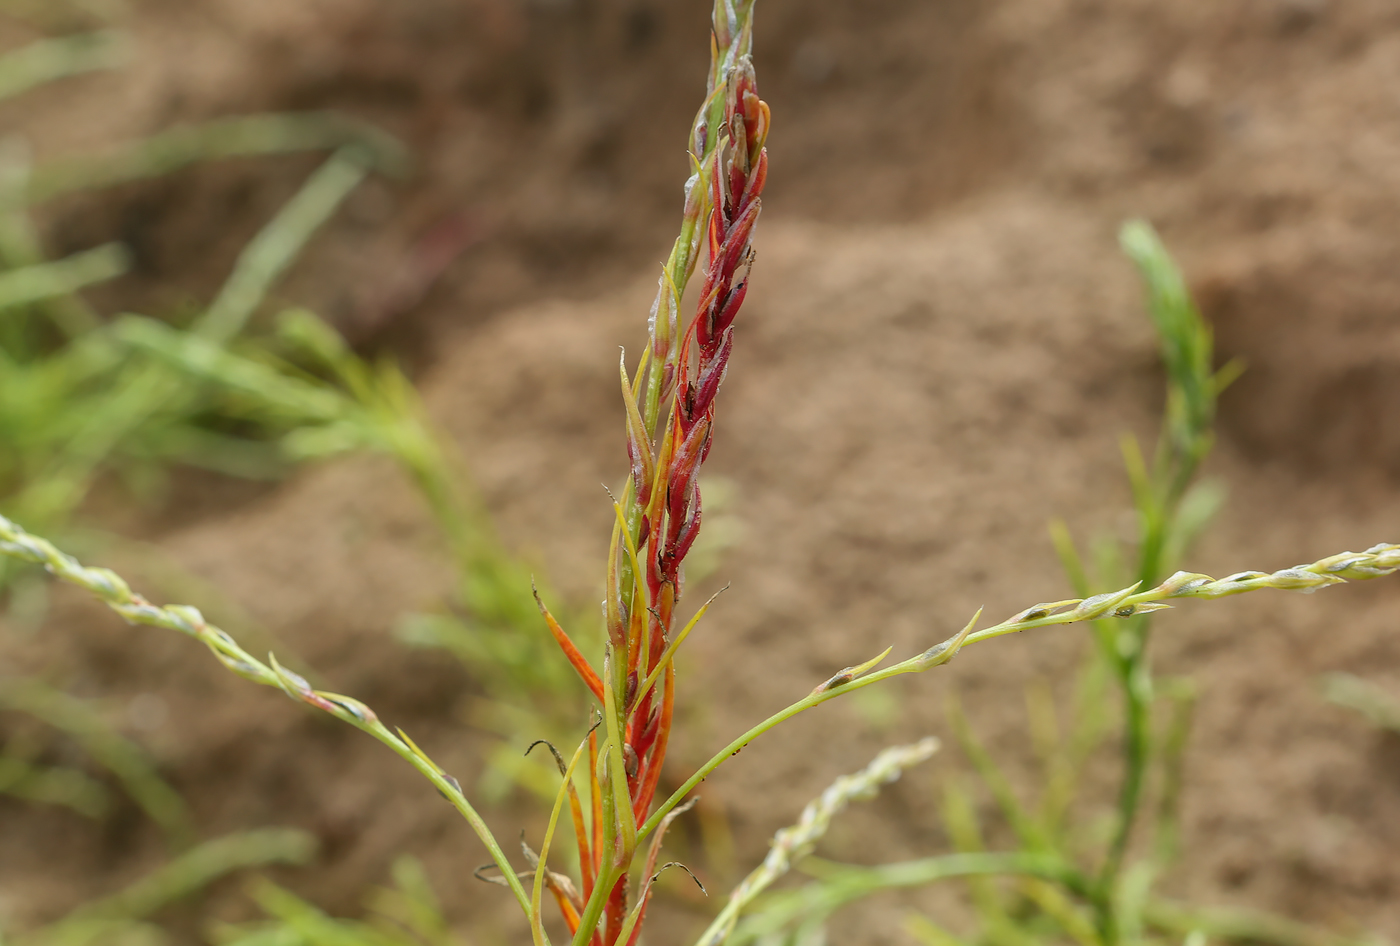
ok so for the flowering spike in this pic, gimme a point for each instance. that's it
(659, 515)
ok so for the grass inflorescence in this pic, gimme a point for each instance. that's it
(308, 396)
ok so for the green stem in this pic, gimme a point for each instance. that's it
(802, 705)
(1135, 675)
(1381, 560)
(111, 589)
(593, 910)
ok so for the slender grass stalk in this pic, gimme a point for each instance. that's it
(114, 592)
(1166, 518)
(1377, 561)
(269, 254)
(108, 587)
(796, 842)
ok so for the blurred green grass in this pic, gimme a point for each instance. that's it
(89, 396)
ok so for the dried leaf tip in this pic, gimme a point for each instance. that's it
(558, 759)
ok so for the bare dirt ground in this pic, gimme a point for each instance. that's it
(941, 349)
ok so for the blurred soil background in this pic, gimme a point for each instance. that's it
(941, 349)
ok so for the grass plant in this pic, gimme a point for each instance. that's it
(214, 395)
(60, 363)
(126, 761)
(123, 919)
(408, 914)
(1067, 886)
(310, 397)
(63, 429)
(607, 802)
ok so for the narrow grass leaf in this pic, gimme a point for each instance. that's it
(48, 60)
(566, 644)
(268, 255)
(43, 281)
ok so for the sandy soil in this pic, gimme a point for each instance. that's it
(941, 349)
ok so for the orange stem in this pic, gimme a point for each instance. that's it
(658, 752)
(595, 793)
(585, 855)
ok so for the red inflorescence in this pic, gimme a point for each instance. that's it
(736, 181)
